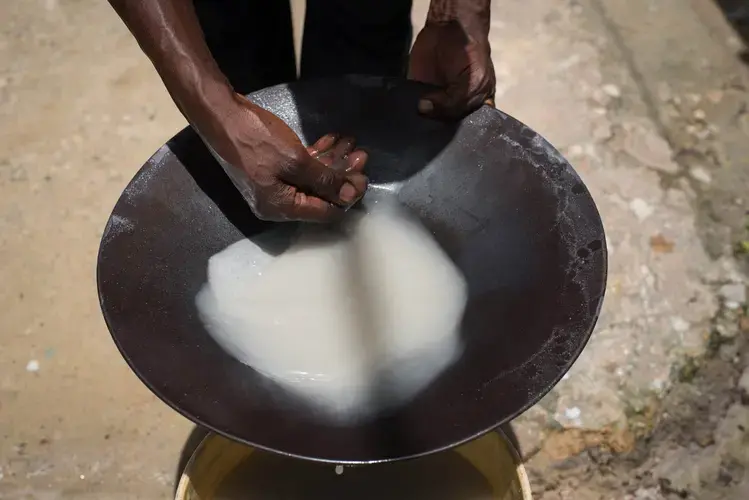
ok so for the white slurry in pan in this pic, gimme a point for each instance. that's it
(352, 319)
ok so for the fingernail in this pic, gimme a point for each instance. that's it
(426, 106)
(347, 193)
(354, 163)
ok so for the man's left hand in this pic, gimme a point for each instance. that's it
(456, 59)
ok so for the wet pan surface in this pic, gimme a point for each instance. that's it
(504, 204)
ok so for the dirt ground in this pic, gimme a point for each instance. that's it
(81, 110)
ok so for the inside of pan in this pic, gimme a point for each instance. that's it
(507, 209)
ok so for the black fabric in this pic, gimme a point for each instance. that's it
(252, 40)
(366, 37)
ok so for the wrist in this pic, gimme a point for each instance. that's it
(211, 107)
(215, 118)
(472, 15)
(205, 99)
(198, 88)
(213, 104)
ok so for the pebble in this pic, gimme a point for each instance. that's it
(699, 115)
(32, 366)
(602, 132)
(574, 151)
(644, 494)
(744, 381)
(734, 42)
(649, 148)
(703, 134)
(641, 208)
(658, 385)
(715, 96)
(572, 413)
(733, 293)
(725, 331)
(679, 324)
(570, 417)
(611, 90)
(701, 175)
(664, 92)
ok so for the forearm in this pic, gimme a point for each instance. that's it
(169, 33)
(473, 12)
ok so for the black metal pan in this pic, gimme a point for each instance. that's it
(504, 204)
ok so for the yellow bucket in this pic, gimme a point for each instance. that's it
(491, 469)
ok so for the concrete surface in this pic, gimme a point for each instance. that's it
(647, 99)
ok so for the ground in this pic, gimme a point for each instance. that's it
(647, 98)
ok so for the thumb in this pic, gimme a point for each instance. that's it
(446, 102)
(335, 186)
(452, 102)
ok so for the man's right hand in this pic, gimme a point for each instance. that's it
(287, 181)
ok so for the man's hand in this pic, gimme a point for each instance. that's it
(452, 52)
(288, 181)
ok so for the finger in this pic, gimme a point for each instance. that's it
(314, 178)
(443, 103)
(336, 155)
(343, 147)
(449, 104)
(356, 161)
(312, 209)
(360, 182)
(286, 203)
(325, 158)
(322, 144)
(418, 71)
(467, 91)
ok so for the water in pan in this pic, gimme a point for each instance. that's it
(443, 476)
(353, 319)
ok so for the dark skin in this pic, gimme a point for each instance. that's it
(292, 182)
(452, 52)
